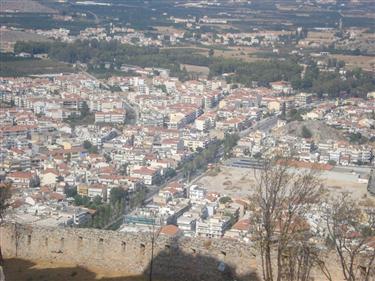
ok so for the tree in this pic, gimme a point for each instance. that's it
(34, 182)
(5, 194)
(124, 169)
(117, 194)
(283, 112)
(84, 110)
(170, 173)
(230, 141)
(89, 147)
(87, 144)
(211, 53)
(332, 162)
(225, 199)
(70, 192)
(349, 235)
(81, 200)
(97, 200)
(281, 200)
(306, 133)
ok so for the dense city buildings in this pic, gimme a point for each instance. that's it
(194, 139)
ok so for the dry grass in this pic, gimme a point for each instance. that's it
(241, 53)
(167, 29)
(321, 36)
(197, 69)
(364, 62)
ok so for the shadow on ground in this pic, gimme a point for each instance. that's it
(23, 270)
(171, 264)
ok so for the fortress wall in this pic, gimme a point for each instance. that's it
(127, 253)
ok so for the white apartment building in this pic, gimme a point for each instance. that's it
(213, 227)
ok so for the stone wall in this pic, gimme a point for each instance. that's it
(175, 258)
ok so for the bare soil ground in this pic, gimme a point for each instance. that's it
(240, 182)
(22, 270)
(168, 29)
(319, 130)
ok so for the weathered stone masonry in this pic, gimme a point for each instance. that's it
(192, 258)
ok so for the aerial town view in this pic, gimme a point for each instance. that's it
(187, 140)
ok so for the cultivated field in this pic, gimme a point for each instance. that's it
(33, 67)
(364, 62)
(324, 37)
(10, 37)
(14, 36)
(201, 70)
(247, 54)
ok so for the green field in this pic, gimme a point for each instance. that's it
(23, 67)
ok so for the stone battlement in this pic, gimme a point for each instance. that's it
(175, 258)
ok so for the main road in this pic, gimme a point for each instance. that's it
(263, 125)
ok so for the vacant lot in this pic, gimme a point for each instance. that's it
(239, 182)
(234, 182)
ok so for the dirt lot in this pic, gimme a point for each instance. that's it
(168, 29)
(234, 182)
(239, 182)
(21, 270)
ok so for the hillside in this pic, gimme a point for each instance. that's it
(24, 6)
(320, 131)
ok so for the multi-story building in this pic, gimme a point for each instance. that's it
(213, 227)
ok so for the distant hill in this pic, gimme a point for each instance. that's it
(24, 6)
